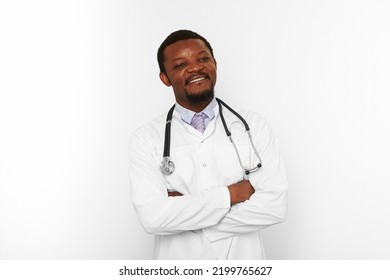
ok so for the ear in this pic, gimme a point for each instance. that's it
(164, 78)
(215, 61)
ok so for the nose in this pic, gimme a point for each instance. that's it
(194, 67)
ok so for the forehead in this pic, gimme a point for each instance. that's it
(184, 48)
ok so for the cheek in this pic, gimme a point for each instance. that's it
(213, 74)
(213, 69)
(178, 79)
(177, 84)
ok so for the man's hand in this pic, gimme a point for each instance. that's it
(174, 194)
(241, 191)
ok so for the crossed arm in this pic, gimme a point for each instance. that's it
(220, 212)
(239, 192)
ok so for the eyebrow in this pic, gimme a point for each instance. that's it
(178, 58)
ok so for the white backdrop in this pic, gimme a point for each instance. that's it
(77, 77)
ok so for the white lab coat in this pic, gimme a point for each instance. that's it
(201, 224)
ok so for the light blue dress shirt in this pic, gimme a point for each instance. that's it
(187, 115)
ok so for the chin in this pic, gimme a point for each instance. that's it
(200, 97)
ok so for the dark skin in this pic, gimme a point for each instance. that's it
(191, 70)
(239, 192)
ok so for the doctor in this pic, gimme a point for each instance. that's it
(206, 206)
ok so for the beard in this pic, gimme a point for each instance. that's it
(200, 97)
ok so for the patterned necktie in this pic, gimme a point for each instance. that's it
(198, 122)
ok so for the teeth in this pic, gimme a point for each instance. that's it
(196, 80)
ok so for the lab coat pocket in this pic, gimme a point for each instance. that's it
(180, 180)
(228, 162)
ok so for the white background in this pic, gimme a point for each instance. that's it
(77, 77)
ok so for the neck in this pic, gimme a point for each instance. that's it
(199, 107)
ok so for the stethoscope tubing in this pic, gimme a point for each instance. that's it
(220, 103)
(167, 137)
(167, 166)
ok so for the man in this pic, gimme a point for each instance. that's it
(205, 209)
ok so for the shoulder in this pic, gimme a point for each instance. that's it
(254, 119)
(257, 122)
(151, 125)
(149, 131)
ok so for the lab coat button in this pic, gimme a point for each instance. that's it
(204, 164)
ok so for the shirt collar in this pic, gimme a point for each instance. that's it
(187, 115)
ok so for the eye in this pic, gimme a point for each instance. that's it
(178, 66)
(204, 59)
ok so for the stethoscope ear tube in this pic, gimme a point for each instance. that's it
(223, 119)
(231, 110)
(247, 171)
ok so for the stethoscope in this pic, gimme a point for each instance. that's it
(167, 167)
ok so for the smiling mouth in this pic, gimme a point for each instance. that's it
(198, 79)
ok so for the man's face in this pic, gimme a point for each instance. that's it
(191, 71)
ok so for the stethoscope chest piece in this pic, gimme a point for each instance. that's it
(167, 166)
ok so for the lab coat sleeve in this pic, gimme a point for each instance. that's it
(160, 214)
(268, 205)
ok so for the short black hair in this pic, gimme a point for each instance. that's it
(178, 36)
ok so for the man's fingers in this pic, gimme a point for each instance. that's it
(174, 194)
